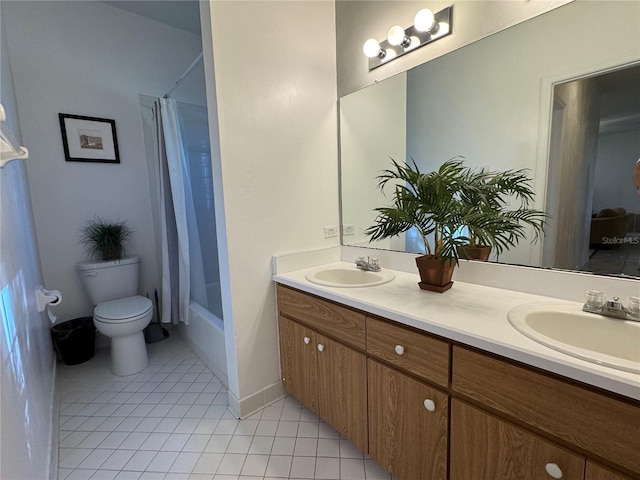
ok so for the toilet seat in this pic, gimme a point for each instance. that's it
(123, 310)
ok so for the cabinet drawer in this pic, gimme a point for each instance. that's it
(322, 315)
(419, 353)
(604, 426)
(484, 447)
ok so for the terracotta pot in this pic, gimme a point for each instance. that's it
(475, 253)
(435, 275)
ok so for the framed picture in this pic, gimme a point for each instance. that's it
(89, 139)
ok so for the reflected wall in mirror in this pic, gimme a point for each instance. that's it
(493, 103)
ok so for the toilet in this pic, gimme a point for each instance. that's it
(120, 313)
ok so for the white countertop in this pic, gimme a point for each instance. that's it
(471, 314)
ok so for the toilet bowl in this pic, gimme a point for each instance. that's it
(123, 320)
(119, 313)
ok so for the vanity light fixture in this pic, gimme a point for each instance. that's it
(427, 27)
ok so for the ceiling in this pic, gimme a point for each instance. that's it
(182, 14)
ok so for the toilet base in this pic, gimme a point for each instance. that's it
(128, 354)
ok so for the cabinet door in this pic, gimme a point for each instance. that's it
(596, 472)
(298, 362)
(407, 425)
(484, 447)
(342, 390)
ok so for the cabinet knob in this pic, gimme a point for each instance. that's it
(399, 349)
(307, 340)
(553, 470)
(320, 347)
(430, 405)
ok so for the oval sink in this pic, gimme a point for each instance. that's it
(348, 277)
(591, 337)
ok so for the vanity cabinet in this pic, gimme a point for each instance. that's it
(484, 447)
(595, 423)
(327, 376)
(407, 424)
(428, 408)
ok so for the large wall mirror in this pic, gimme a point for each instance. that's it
(547, 95)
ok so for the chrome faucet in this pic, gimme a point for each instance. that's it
(370, 264)
(612, 308)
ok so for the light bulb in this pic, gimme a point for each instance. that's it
(395, 35)
(371, 48)
(443, 28)
(415, 42)
(424, 20)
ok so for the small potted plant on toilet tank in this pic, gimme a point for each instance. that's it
(105, 240)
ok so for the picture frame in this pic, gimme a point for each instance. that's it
(89, 139)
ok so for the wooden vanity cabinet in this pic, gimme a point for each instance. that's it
(298, 361)
(484, 447)
(408, 423)
(598, 424)
(326, 375)
(342, 390)
(427, 408)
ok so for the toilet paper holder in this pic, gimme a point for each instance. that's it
(46, 297)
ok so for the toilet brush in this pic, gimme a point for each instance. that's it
(154, 332)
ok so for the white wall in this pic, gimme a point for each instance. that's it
(28, 363)
(88, 58)
(276, 102)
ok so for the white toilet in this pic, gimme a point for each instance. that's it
(120, 313)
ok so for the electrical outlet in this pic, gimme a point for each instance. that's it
(331, 231)
(348, 229)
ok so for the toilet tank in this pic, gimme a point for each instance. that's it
(103, 281)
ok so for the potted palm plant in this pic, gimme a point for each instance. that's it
(440, 204)
(494, 223)
(104, 240)
(431, 203)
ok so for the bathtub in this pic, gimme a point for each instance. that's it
(205, 333)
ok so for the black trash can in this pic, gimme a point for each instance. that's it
(74, 340)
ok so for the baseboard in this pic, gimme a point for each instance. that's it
(247, 406)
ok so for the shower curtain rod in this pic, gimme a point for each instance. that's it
(184, 75)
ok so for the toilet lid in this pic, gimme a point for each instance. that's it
(123, 308)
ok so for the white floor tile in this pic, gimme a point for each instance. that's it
(328, 468)
(261, 445)
(255, 465)
(196, 443)
(240, 444)
(208, 463)
(231, 464)
(171, 422)
(279, 466)
(352, 469)
(96, 458)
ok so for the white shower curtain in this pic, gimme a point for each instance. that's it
(181, 253)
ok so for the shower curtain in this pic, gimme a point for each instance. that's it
(182, 266)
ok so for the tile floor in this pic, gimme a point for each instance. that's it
(170, 422)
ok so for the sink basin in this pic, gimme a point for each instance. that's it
(348, 277)
(591, 337)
